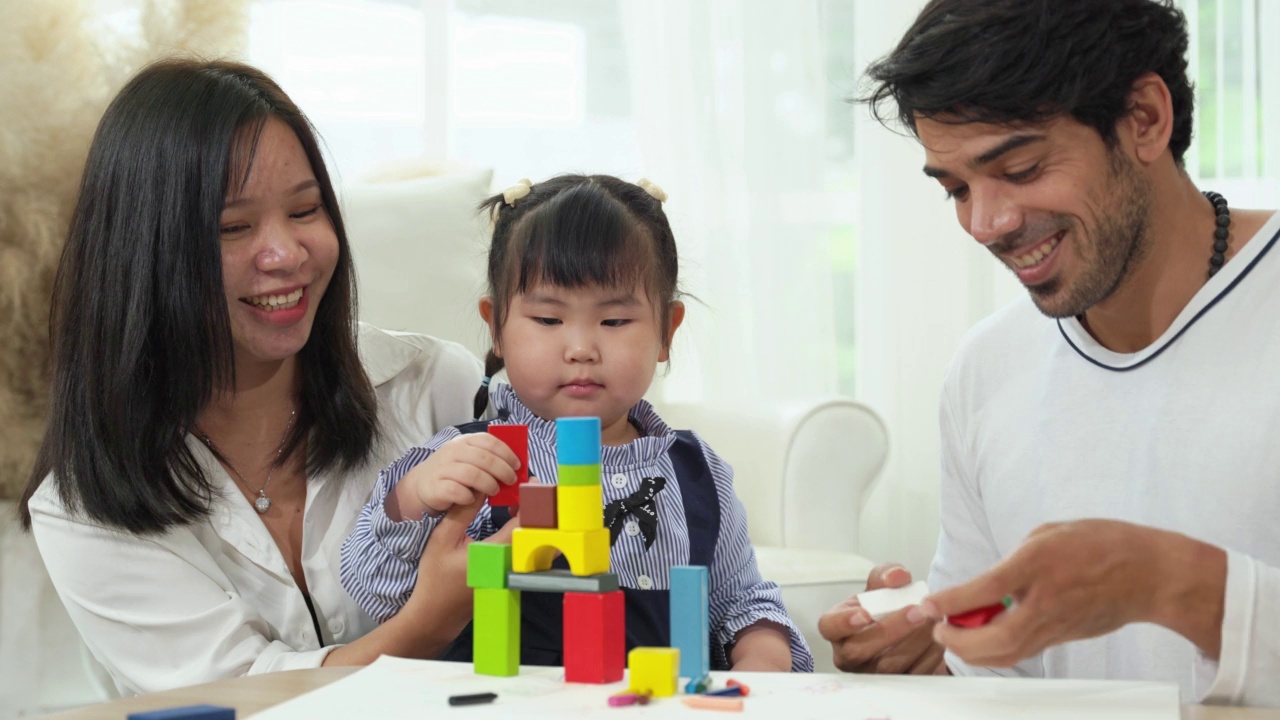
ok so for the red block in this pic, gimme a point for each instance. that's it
(976, 618)
(515, 437)
(595, 644)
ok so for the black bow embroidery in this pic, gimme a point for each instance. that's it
(640, 504)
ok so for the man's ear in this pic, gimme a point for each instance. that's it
(487, 314)
(676, 317)
(1148, 124)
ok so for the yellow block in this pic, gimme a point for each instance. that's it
(655, 670)
(579, 508)
(533, 549)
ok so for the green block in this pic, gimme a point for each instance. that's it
(496, 632)
(488, 565)
(579, 475)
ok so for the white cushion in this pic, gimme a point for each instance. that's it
(419, 247)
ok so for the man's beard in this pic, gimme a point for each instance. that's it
(1107, 255)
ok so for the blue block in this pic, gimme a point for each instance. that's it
(578, 441)
(190, 712)
(690, 621)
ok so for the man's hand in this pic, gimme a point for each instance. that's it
(1083, 579)
(900, 643)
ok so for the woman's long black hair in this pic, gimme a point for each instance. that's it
(140, 327)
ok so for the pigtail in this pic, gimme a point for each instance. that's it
(492, 365)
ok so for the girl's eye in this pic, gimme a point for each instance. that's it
(615, 323)
(546, 321)
(305, 213)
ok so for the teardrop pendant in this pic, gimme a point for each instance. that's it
(262, 504)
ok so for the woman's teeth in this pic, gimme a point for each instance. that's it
(1035, 256)
(276, 302)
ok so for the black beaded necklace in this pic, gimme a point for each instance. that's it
(1220, 232)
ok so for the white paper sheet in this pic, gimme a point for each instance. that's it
(886, 601)
(395, 689)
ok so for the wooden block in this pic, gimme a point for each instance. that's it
(578, 441)
(562, 581)
(189, 712)
(538, 505)
(690, 619)
(496, 632)
(654, 670)
(579, 508)
(533, 549)
(595, 644)
(515, 437)
(488, 565)
(578, 475)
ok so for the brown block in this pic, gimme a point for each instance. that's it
(537, 505)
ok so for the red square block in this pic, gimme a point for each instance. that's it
(515, 437)
(595, 643)
(538, 506)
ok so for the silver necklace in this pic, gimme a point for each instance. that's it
(263, 503)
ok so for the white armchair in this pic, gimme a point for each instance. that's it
(804, 473)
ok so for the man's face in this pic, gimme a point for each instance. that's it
(1060, 209)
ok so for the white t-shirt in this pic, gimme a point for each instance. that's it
(215, 599)
(1040, 424)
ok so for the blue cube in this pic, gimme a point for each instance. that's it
(578, 441)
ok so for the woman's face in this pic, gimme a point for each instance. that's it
(279, 251)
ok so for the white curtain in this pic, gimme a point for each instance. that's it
(728, 100)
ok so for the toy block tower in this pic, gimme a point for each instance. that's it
(568, 517)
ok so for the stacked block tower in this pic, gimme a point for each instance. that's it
(568, 517)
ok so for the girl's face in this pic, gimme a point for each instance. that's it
(584, 352)
(279, 251)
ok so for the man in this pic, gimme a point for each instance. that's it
(1114, 468)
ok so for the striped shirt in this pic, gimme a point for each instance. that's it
(380, 558)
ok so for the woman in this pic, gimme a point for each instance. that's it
(214, 431)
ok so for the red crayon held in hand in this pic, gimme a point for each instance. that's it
(981, 616)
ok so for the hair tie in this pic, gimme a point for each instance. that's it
(517, 191)
(653, 189)
(485, 381)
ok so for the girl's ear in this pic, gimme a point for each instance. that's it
(677, 317)
(486, 314)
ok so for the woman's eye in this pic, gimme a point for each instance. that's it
(232, 229)
(306, 213)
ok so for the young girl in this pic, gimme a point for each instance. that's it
(582, 307)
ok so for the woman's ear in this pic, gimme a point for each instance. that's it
(673, 323)
(486, 314)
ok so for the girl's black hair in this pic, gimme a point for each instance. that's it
(576, 231)
(140, 328)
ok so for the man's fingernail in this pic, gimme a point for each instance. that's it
(929, 610)
(915, 616)
(859, 618)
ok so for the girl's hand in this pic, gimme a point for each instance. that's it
(464, 471)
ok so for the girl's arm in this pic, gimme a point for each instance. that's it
(749, 625)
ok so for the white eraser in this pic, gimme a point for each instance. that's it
(887, 601)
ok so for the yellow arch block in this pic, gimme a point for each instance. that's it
(533, 549)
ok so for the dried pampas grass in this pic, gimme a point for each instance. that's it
(63, 61)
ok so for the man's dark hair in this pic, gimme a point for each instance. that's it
(140, 327)
(1005, 61)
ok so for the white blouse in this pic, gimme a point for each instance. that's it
(215, 599)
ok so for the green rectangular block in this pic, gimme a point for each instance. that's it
(578, 475)
(488, 565)
(496, 632)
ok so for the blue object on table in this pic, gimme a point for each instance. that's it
(190, 712)
(690, 623)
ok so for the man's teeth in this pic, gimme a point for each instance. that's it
(1035, 256)
(276, 302)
